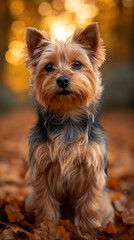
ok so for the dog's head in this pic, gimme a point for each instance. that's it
(65, 74)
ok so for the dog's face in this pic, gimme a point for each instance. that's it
(65, 75)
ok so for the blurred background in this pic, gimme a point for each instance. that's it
(60, 18)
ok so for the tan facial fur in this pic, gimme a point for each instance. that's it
(85, 85)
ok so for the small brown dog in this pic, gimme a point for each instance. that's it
(68, 156)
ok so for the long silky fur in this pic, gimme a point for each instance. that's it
(68, 155)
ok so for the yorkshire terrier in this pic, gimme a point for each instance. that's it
(68, 155)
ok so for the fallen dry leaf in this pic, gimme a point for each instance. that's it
(128, 216)
(69, 227)
(124, 236)
(8, 234)
(111, 228)
(131, 231)
(49, 231)
(13, 213)
(119, 206)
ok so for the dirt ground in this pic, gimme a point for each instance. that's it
(15, 223)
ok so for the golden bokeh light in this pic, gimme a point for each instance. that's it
(86, 11)
(46, 22)
(18, 26)
(60, 30)
(16, 7)
(16, 82)
(15, 52)
(10, 57)
(59, 18)
(45, 9)
(73, 6)
(58, 4)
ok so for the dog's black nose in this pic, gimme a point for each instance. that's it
(63, 81)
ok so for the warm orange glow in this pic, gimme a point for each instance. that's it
(18, 26)
(16, 7)
(44, 9)
(86, 11)
(60, 30)
(16, 78)
(73, 6)
(114, 13)
(17, 83)
(59, 18)
(58, 4)
(14, 54)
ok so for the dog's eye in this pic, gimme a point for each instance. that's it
(76, 65)
(49, 67)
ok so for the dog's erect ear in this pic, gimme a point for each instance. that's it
(34, 38)
(89, 38)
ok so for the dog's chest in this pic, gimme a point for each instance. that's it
(69, 169)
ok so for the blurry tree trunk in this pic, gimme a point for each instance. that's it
(5, 21)
(128, 30)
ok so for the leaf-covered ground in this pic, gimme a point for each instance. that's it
(16, 224)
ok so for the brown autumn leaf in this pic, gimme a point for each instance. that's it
(115, 195)
(120, 207)
(111, 228)
(16, 233)
(8, 234)
(26, 224)
(69, 227)
(23, 233)
(51, 232)
(13, 213)
(124, 235)
(128, 216)
(131, 231)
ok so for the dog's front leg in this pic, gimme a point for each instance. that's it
(87, 211)
(87, 207)
(47, 207)
(41, 200)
